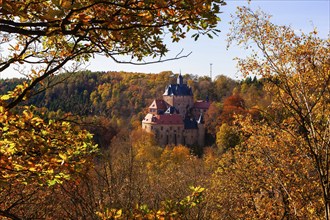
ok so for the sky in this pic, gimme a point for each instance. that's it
(301, 15)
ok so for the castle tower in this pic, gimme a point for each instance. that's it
(180, 96)
(177, 119)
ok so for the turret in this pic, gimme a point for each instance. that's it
(180, 79)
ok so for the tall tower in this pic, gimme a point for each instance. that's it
(211, 71)
(179, 95)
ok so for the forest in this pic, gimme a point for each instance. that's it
(71, 143)
(106, 103)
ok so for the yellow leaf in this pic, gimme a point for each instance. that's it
(5, 97)
(32, 169)
(63, 156)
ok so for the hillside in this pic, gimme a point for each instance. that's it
(106, 102)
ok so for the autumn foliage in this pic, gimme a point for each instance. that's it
(287, 152)
(39, 148)
(269, 156)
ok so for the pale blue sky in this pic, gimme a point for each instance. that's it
(300, 14)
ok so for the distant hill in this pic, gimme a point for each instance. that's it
(115, 100)
(109, 94)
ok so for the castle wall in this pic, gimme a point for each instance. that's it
(170, 134)
(180, 102)
(147, 127)
(190, 137)
(201, 135)
(166, 134)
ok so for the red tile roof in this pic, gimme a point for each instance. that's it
(159, 104)
(169, 119)
(202, 104)
(163, 119)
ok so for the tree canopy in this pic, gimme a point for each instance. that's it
(296, 72)
(45, 36)
(50, 34)
(272, 130)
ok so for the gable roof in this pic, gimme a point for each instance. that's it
(171, 110)
(200, 104)
(178, 90)
(159, 104)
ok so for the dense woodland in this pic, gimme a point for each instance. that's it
(113, 101)
(71, 146)
(130, 171)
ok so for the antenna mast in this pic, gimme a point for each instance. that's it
(211, 70)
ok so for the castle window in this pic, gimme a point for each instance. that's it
(152, 127)
(161, 128)
(171, 128)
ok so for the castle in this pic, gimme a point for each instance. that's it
(177, 119)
